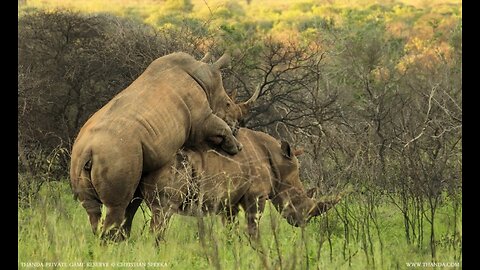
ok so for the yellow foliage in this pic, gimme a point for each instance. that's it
(397, 29)
(425, 25)
(285, 35)
(381, 74)
(415, 45)
(424, 54)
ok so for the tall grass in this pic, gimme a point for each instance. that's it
(54, 229)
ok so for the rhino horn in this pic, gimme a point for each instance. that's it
(206, 58)
(322, 207)
(223, 61)
(249, 103)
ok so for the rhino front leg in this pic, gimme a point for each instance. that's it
(159, 223)
(254, 207)
(229, 218)
(217, 131)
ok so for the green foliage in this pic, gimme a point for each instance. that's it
(231, 10)
(304, 6)
(231, 35)
(179, 5)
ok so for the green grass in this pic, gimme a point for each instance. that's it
(55, 229)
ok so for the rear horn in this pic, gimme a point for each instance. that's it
(222, 61)
(206, 58)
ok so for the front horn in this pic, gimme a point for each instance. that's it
(322, 207)
(245, 106)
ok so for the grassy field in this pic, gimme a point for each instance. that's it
(54, 233)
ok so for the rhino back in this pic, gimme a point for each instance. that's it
(152, 111)
(220, 176)
(210, 78)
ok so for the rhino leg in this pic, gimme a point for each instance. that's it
(116, 178)
(216, 127)
(158, 204)
(161, 214)
(130, 213)
(230, 215)
(94, 211)
(85, 193)
(159, 223)
(254, 206)
(112, 228)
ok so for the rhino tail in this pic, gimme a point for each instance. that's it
(88, 165)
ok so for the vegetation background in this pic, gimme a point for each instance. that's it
(370, 89)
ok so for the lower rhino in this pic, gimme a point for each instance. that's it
(206, 181)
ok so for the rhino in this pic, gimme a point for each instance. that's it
(176, 102)
(206, 180)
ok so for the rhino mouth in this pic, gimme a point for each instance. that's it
(295, 221)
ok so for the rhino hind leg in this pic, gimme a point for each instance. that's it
(115, 179)
(85, 193)
(113, 225)
(216, 127)
(94, 211)
(130, 213)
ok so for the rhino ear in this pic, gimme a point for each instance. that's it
(298, 152)
(286, 150)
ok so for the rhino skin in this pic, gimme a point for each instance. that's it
(207, 181)
(176, 102)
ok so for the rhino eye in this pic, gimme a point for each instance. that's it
(228, 104)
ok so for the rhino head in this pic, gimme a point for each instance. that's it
(223, 105)
(288, 195)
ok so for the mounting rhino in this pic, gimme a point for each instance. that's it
(207, 181)
(177, 102)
